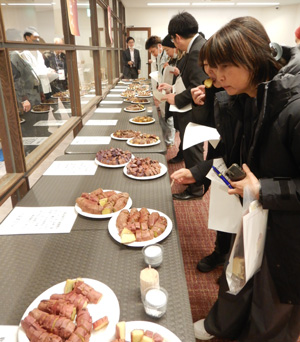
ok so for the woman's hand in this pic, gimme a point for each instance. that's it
(198, 95)
(250, 180)
(183, 176)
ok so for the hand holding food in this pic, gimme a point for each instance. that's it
(198, 95)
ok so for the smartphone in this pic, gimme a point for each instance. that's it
(235, 173)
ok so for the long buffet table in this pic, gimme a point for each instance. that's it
(31, 264)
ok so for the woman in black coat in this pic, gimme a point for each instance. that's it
(258, 118)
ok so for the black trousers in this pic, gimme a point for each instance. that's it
(130, 73)
(255, 314)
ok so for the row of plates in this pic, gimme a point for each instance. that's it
(108, 306)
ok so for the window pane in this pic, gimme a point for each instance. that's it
(101, 26)
(104, 75)
(84, 23)
(31, 17)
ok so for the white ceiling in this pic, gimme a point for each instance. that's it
(143, 3)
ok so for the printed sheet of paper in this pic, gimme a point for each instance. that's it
(101, 123)
(225, 211)
(63, 111)
(121, 87)
(158, 95)
(178, 88)
(33, 140)
(195, 134)
(50, 123)
(113, 95)
(155, 76)
(110, 102)
(184, 109)
(108, 110)
(91, 140)
(9, 333)
(117, 90)
(168, 74)
(38, 220)
(72, 168)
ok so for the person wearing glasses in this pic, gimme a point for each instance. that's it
(131, 60)
(258, 119)
(183, 29)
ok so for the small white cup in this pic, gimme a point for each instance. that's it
(153, 255)
(155, 301)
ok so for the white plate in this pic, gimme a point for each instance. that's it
(123, 96)
(155, 328)
(143, 96)
(140, 102)
(142, 123)
(163, 171)
(113, 231)
(108, 306)
(141, 145)
(40, 112)
(128, 101)
(81, 212)
(111, 166)
(59, 97)
(134, 111)
(112, 136)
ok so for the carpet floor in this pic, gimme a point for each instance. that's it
(197, 241)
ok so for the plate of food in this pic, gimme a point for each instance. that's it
(128, 99)
(137, 100)
(144, 93)
(142, 120)
(126, 229)
(113, 158)
(101, 303)
(126, 94)
(65, 99)
(101, 204)
(49, 102)
(144, 169)
(144, 140)
(40, 109)
(141, 329)
(124, 134)
(60, 94)
(135, 108)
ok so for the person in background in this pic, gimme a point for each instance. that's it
(154, 46)
(27, 84)
(131, 60)
(183, 28)
(57, 61)
(36, 60)
(297, 36)
(258, 118)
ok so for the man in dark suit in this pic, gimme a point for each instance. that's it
(131, 60)
(183, 29)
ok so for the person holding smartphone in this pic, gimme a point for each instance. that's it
(258, 119)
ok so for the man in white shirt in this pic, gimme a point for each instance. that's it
(131, 60)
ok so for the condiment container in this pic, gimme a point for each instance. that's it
(149, 277)
(153, 255)
(155, 301)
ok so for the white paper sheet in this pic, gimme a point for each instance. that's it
(117, 90)
(110, 102)
(38, 220)
(121, 86)
(92, 91)
(50, 123)
(72, 168)
(91, 140)
(84, 102)
(64, 111)
(108, 110)
(195, 134)
(33, 140)
(184, 109)
(9, 333)
(225, 211)
(158, 95)
(155, 76)
(101, 123)
(168, 74)
(113, 95)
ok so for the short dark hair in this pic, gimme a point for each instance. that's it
(152, 41)
(183, 24)
(27, 34)
(242, 42)
(129, 38)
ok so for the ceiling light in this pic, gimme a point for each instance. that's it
(29, 4)
(212, 4)
(168, 4)
(258, 3)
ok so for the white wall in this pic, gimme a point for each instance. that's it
(279, 23)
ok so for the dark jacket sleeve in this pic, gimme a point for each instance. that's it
(125, 59)
(138, 60)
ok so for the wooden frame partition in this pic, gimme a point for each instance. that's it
(14, 184)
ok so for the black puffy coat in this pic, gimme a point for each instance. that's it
(271, 140)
